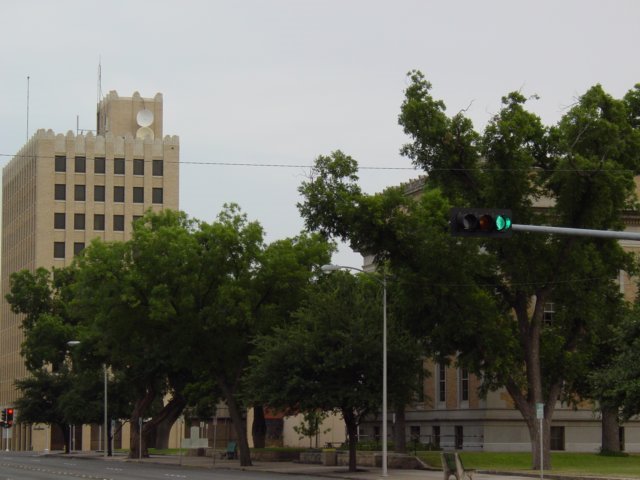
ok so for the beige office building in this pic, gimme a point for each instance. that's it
(61, 191)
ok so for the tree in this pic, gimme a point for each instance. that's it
(583, 167)
(329, 359)
(616, 382)
(246, 289)
(138, 301)
(310, 425)
(39, 400)
(42, 297)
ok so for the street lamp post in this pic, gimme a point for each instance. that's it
(73, 343)
(332, 268)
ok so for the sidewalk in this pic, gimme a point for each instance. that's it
(295, 468)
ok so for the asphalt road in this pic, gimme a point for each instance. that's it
(28, 466)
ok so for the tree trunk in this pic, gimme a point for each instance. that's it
(162, 423)
(137, 437)
(66, 436)
(610, 430)
(239, 424)
(529, 333)
(352, 437)
(259, 427)
(399, 437)
(534, 434)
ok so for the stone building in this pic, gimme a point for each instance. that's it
(61, 191)
(450, 414)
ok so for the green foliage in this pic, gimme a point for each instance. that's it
(617, 382)
(310, 425)
(483, 300)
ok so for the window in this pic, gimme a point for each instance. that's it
(157, 168)
(118, 166)
(99, 165)
(138, 166)
(136, 218)
(79, 193)
(60, 191)
(138, 194)
(118, 194)
(442, 382)
(415, 433)
(61, 163)
(81, 165)
(98, 222)
(78, 221)
(464, 385)
(435, 436)
(59, 220)
(58, 250)
(118, 223)
(78, 247)
(459, 437)
(156, 195)
(556, 442)
(98, 193)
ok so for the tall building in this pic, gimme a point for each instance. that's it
(61, 191)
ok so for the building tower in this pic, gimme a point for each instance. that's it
(61, 191)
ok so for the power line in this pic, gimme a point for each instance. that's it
(360, 167)
(230, 164)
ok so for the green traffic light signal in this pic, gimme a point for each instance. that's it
(480, 222)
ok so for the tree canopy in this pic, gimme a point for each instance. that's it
(484, 299)
(330, 357)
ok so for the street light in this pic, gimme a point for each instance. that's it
(332, 268)
(73, 343)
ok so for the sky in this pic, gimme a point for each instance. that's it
(249, 84)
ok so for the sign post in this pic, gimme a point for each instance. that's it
(540, 417)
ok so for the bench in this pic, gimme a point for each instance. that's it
(452, 465)
(232, 450)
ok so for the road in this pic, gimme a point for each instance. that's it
(30, 466)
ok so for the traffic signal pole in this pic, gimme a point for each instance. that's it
(581, 232)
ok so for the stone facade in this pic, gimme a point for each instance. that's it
(61, 191)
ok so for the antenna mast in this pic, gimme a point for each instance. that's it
(27, 108)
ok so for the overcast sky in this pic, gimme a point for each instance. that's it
(283, 81)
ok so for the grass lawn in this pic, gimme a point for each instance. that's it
(562, 462)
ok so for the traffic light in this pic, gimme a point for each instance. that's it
(480, 222)
(9, 417)
(4, 416)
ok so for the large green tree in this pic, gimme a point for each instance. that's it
(330, 358)
(137, 299)
(42, 297)
(246, 289)
(580, 172)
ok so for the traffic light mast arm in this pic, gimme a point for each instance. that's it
(582, 232)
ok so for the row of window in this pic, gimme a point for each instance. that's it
(556, 440)
(100, 165)
(99, 193)
(79, 222)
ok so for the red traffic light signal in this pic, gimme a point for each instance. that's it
(480, 222)
(9, 417)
